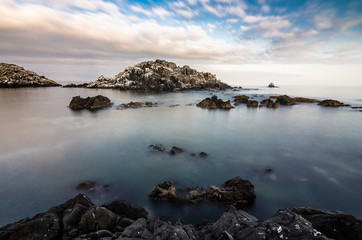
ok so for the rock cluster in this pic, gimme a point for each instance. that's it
(80, 219)
(13, 76)
(241, 99)
(236, 192)
(269, 103)
(159, 75)
(73, 85)
(332, 103)
(91, 103)
(214, 103)
(137, 105)
(285, 100)
(305, 100)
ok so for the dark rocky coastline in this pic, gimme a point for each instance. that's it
(160, 75)
(13, 76)
(80, 219)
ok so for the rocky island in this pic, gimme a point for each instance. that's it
(13, 76)
(160, 75)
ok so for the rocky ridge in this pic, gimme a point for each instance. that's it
(13, 76)
(159, 75)
(80, 219)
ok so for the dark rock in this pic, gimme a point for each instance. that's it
(196, 195)
(148, 104)
(72, 85)
(86, 186)
(160, 75)
(269, 103)
(72, 218)
(132, 105)
(332, 103)
(98, 218)
(334, 225)
(268, 170)
(305, 100)
(241, 99)
(91, 103)
(176, 150)
(203, 154)
(13, 76)
(214, 102)
(159, 147)
(271, 85)
(252, 103)
(163, 229)
(164, 191)
(285, 100)
(238, 192)
(125, 209)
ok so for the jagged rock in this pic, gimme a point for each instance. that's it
(241, 99)
(163, 191)
(137, 230)
(214, 102)
(13, 76)
(285, 100)
(159, 75)
(97, 218)
(252, 103)
(238, 192)
(196, 195)
(72, 85)
(125, 209)
(271, 85)
(269, 103)
(132, 105)
(334, 225)
(159, 147)
(305, 100)
(174, 150)
(91, 103)
(163, 229)
(332, 103)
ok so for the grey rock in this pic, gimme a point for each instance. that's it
(125, 209)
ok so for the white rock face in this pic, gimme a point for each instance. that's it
(159, 75)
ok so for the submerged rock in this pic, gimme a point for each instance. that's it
(174, 150)
(332, 103)
(163, 191)
(252, 103)
(285, 100)
(72, 85)
(160, 75)
(305, 100)
(241, 99)
(269, 103)
(91, 103)
(13, 76)
(214, 103)
(132, 105)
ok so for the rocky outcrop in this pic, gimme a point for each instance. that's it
(304, 100)
(241, 99)
(160, 75)
(252, 103)
(214, 103)
(285, 100)
(80, 219)
(163, 191)
(137, 105)
(332, 103)
(91, 103)
(73, 85)
(13, 76)
(271, 85)
(269, 103)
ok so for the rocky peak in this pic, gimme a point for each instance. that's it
(159, 75)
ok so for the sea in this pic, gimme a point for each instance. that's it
(47, 149)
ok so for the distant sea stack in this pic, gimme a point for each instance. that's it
(13, 76)
(160, 75)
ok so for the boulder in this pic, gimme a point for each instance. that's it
(91, 103)
(285, 100)
(269, 103)
(214, 102)
(159, 147)
(132, 105)
(332, 103)
(163, 191)
(174, 150)
(72, 85)
(160, 75)
(238, 192)
(252, 103)
(125, 209)
(13, 76)
(241, 99)
(305, 100)
(271, 85)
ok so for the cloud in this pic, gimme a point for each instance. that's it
(265, 8)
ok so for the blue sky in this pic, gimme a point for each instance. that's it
(243, 42)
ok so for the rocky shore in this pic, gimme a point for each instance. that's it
(13, 76)
(160, 75)
(80, 219)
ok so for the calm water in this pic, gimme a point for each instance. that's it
(46, 149)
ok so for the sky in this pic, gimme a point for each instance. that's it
(243, 42)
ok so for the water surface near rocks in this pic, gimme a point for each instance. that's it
(46, 149)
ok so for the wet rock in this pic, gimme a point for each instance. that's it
(285, 100)
(268, 170)
(334, 225)
(97, 218)
(164, 229)
(164, 191)
(91, 103)
(214, 103)
(174, 150)
(196, 195)
(305, 100)
(137, 230)
(13, 76)
(203, 154)
(238, 192)
(72, 85)
(241, 99)
(332, 103)
(269, 103)
(73, 216)
(252, 103)
(86, 186)
(159, 147)
(271, 85)
(125, 209)
(148, 104)
(160, 75)
(132, 105)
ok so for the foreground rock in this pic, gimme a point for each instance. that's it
(269, 103)
(214, 103)
(332, 103)
(285, 100)
(91, 103)
(160, 75)
(80, 219)
(236, 192)
(13, 76)
(241, 99)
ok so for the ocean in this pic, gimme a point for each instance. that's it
(46, 149)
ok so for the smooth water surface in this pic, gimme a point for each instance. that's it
(46, 149)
